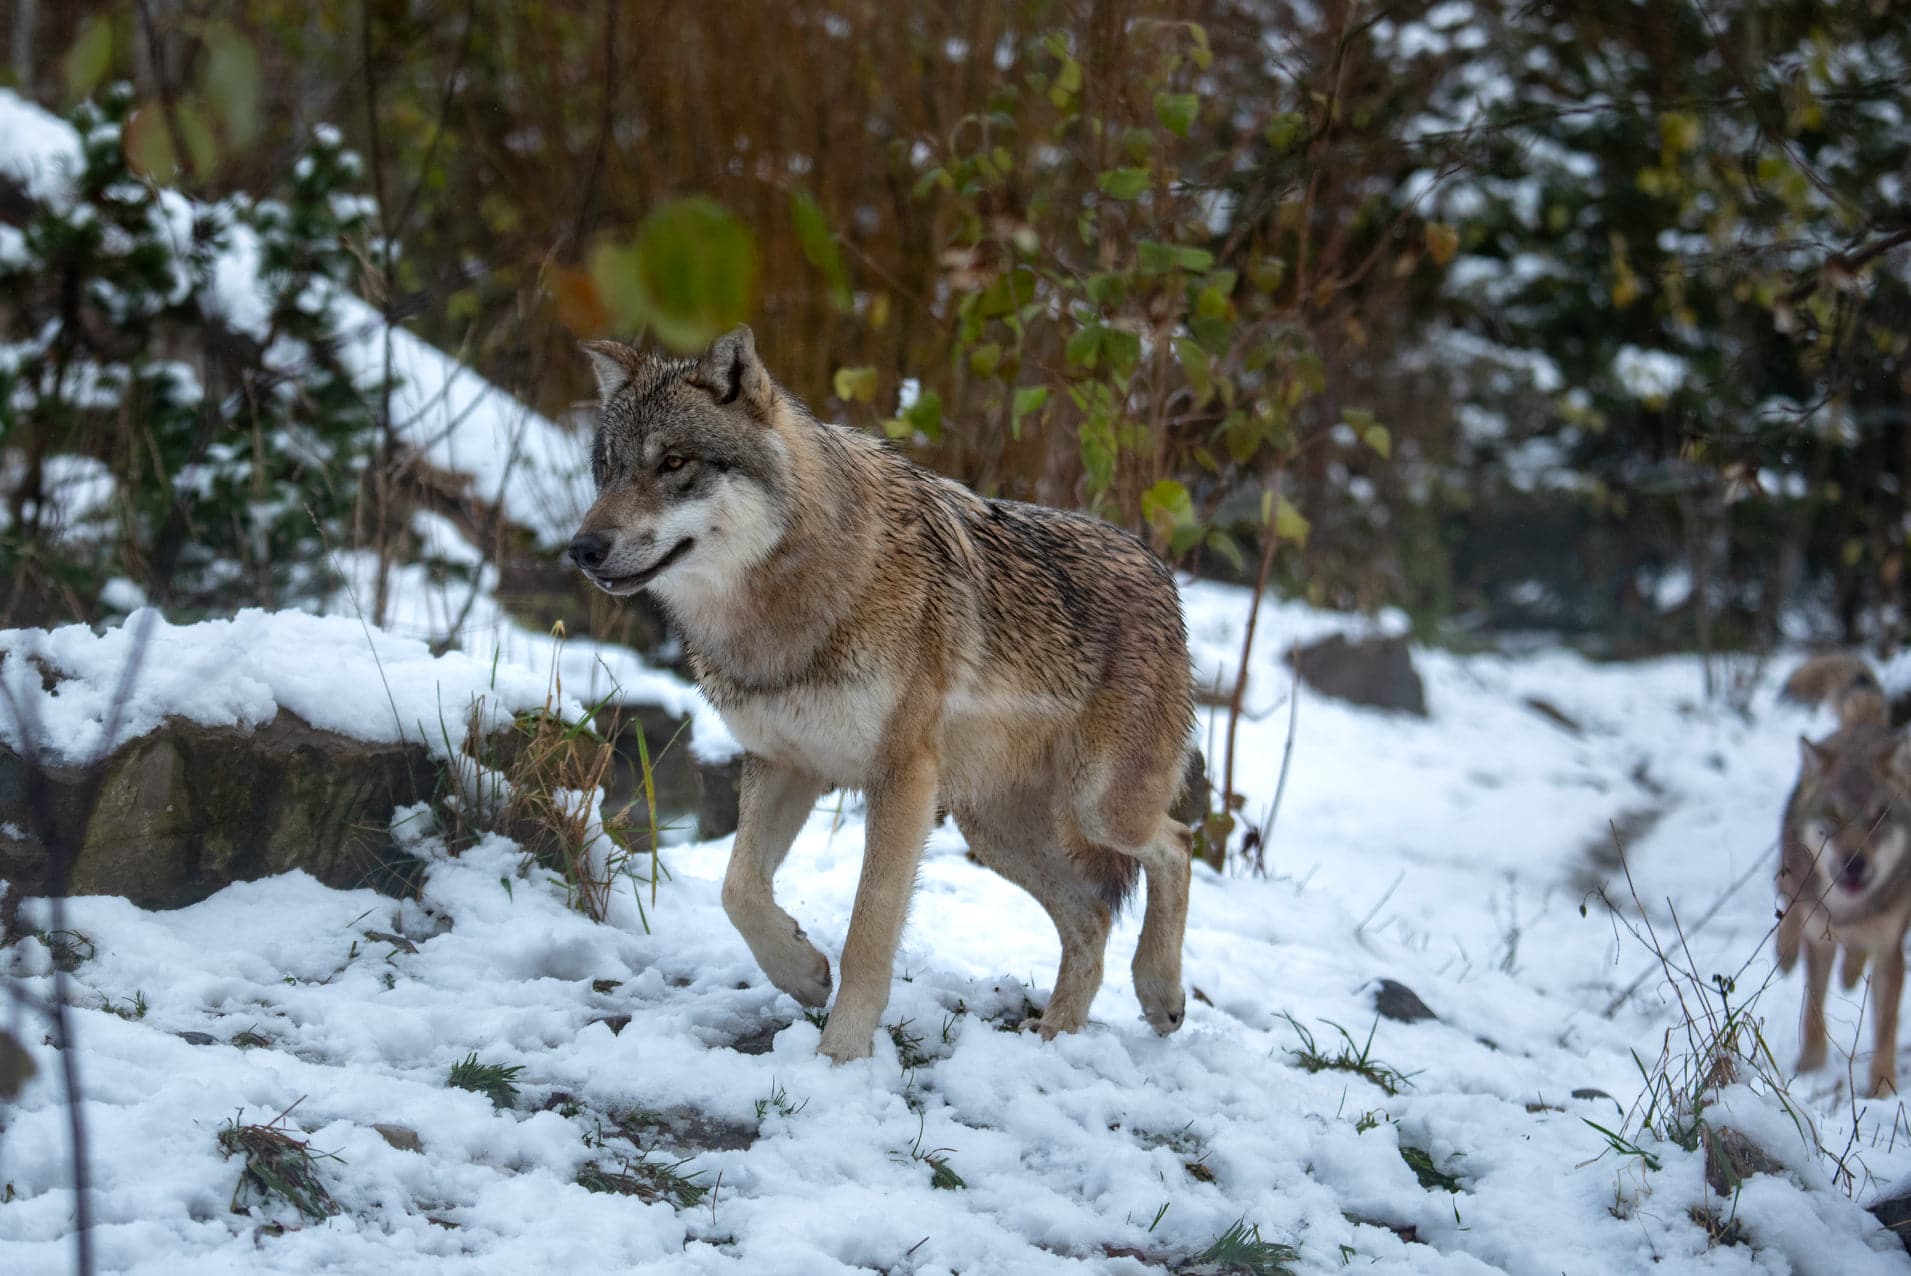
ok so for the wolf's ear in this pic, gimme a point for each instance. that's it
(732, 373)
(611, 363)
(1811, 758)
(1898, 762)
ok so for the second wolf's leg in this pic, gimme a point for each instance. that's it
(902, 807)
(1020, 842)
(1818, 958)
(774, 802)
(1887, 985)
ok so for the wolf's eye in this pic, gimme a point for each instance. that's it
(671, 464)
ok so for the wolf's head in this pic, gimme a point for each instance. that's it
(691, 475)
(1847, 819)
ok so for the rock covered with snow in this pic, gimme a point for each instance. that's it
(333, 672)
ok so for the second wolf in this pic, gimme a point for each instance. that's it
(862, 623)
(1844, 876)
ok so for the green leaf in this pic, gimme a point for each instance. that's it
(1177, 111)
(1084, 347)
(1284, 130)
(1028, 398)
(1123, 183)
(1266, 272)
(819, 246)
(1194, 260)
(697, 266)
(1122, 349)
(1107, 289)
(1289, 523)
(87, 62)
(232, 84)
(1226, 546)
(1368, 430)
(1157, 258)
(855, 385)
(1202, 55)
(1197, 367)
(612, 268)
(985, 359)
(925, 415)
(1097, 440)
(195, 130)
(1167, 505)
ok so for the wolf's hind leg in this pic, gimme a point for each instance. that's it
(1165, 848)
(1818, 959)
(774, 802)
(1021, 844)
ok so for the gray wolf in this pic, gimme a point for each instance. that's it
(862, 623)
(1844, 875)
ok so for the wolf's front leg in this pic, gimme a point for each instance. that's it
(773, 803)
(902, 807)
(1887, 985)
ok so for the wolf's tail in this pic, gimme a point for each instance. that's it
(1846, 683)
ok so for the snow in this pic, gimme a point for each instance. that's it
(1650, 376)
(332, 671)
(1452, 854)
(38, 151)
(530, 466)
(535, 470)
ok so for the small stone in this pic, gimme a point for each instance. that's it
(718, 798)
(616, 1023)
(1377, 672)
(197, 1038)
(1895, 1213)
(1400, 1003)
(1731, 1158)
(402, 1137)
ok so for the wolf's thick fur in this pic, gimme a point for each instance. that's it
(1844, 875)
(862, 623)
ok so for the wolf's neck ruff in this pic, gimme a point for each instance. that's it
(765, 625)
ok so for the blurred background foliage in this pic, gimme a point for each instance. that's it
(1590, 319)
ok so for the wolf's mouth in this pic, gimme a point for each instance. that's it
(631, 584)
(1856, 874)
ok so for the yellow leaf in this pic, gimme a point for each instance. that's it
(1442, 242)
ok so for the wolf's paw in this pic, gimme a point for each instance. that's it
(803, 973)
(844, 1045)
(1884, 1082)
(1054, 1021)
(1165, 1005)
(1811, 1056)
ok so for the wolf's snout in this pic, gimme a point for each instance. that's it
(589, 550)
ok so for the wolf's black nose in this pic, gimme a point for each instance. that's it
(588, 550)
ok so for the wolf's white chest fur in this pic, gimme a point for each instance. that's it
(833, 733)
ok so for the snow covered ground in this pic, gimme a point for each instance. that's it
(1452, 854)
